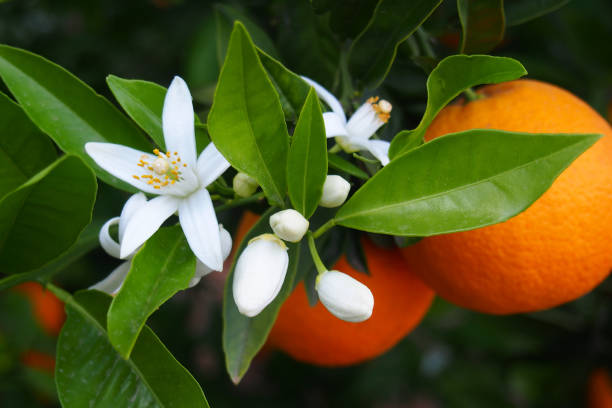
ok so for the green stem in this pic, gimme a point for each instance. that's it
(239, 202)
(335, 148)
(424, 42)
(60, 293)
(324, 228)
(345, 77)
(471, 95)
(315, 254)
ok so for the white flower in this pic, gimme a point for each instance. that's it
(335, 191)
(345, 297)
(259, 274)
(289, 225)
(113, 282)
(244, 185)
(355, 134)
(176, 176)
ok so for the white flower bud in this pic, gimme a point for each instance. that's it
(345, 297)
(259, 274)
(289, 225)
(335, 191)
(244, 185)
(203, 270)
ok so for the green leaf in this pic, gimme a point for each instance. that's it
(44, 216)
(482, 25)
(144, 102)
(88, 240)
(349, 17)
(164, 266)
(461, 181)
(24, 149)
(452, 76)
(522, 11)
(90, 373)
(243, 336)
(65, 108)
(307, 162)
(226, 16)
(373, 51)
(246, 121)
(341, 164)
(202, 66)
(291, 89)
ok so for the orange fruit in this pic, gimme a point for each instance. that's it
(600, 389)
(48, 309)
(313, 335)
(556, 250)
(38, 360)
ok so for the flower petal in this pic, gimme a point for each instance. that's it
(146, 221)
(131, 206)
(378, 148)
(120, 161)
(211, 164)
(334, 125)
(364, 122)
(106, 241)
(112, 283)
(199, 222)
(177, 121)
(329, 99)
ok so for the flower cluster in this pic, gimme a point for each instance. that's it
(179, 179)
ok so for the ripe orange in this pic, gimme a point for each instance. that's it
(313, 335)
(39, 361)
(556, 250)
(600, 390)
(48, 309)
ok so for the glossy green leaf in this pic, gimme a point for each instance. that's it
(65, 108)
(44, 216)
(522, 11)
(291, 89)
(373, 51)
(24, 149)
(143, 101)
(164, 266)
(246, 121)
(452, 76)
(341, 164)
(244, 336)
(90, 372)
(307, 162)
(461, 181)
(482, 25)
(88, 240)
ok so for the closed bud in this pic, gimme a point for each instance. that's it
(345, 297)
(244, 185)
(259, 274)
(226, 247)
(289, 225)
(335, 191)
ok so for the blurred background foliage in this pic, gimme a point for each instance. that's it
(455, 358)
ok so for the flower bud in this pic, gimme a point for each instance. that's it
(259, 274)
(244, 185)
(335, 191)
(289, 225)
(226, 247)
(345, 297)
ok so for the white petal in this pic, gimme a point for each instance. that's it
(334, 126)
(146, 221)
(329, 99)
(259, 274)
(120, 161)
(379, 149)
(199, 222)
(178, 121)
(364, 122)
(226, 247)
(131, 206)
(211, 164)
(345, 297)
(289, 225)
(106, 241)
(112, 283)
(335, 191)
